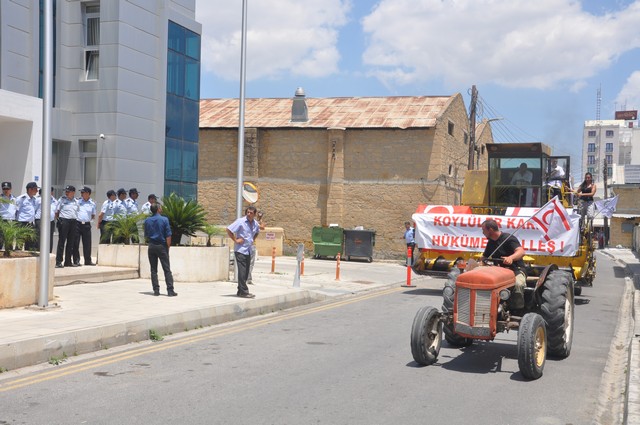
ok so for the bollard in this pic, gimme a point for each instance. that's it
(338, 266)
(273, 260)
(302, 265)
(408, 284)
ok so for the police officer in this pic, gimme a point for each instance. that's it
(7, 208)
(121, 209)
(131, 203)
(52, 217)
(66, 214)
(86, 214)
(151, 200)
(26, 212)
(107, 213)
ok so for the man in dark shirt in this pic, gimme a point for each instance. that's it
(158, 231)
(506, 247)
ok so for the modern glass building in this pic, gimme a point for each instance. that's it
(126, 95)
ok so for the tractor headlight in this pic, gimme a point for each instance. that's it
(448, 291)
(505, 294)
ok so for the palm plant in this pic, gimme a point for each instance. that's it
(212, 230)
(185, 217)
(12, 232)
(124, 228)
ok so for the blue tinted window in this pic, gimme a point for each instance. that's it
(192, 41)
(190, 162)
(192, 79)
(191, 120)
(172, 187)
(173, 160)
(176, 37)
(175, 73)
(189, 191)
(174, 117)
(183, 108)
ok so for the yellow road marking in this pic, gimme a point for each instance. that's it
(136, 352)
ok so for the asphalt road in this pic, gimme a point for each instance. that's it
(348, 362)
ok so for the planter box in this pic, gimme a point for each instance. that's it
(191, 263)
(120, 255)
(20, 281)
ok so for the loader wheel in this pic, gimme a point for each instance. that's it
(532, 346)
(426, 335)
(557, 311)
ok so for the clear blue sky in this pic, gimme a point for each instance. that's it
(537, 64)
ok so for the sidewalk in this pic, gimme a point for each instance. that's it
(632, 265)
(87, 317)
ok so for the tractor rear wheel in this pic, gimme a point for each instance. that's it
(556, 308)
(532, 346)
(426, 335)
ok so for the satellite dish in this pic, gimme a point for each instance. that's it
(250, 193)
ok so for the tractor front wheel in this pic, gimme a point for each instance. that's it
(532, 346)
(426, 335)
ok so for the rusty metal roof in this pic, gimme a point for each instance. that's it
(345, 112)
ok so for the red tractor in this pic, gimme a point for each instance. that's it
(476, 307)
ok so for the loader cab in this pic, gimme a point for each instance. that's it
(519, 174)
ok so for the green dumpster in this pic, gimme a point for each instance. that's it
(327, 241)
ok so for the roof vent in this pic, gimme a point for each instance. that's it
(299, 111)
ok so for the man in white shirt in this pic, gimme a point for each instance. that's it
(523, 177)
(554, 181)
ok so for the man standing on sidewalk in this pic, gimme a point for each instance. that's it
(67, 214)
(26, 212)
(243, 231)
(158, 231)
(86, 214)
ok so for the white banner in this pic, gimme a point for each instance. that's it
(463, 232)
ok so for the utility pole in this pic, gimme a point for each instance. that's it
(472, 124)
(605, 174)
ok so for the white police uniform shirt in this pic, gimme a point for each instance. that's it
(8, 210)
(53, 205)
(146, 208)
(108, 210)
(120, 208)
(67, 208)
(25, 208)
(131, 205)
(86, 210)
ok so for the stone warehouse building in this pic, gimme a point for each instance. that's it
(348, 161)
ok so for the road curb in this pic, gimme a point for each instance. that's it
(33, 351)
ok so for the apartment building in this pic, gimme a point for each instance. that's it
(126, 98)
(610, 142)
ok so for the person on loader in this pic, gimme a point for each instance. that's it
(505, 246)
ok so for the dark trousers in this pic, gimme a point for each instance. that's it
(66, 238)
(242, 263)
(83, 232)
(51, 229)
(105, 234)
(29, 244)
(160, 252)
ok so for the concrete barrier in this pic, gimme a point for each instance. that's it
(191, 263)
(20, 281)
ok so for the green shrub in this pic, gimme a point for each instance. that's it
(185, 217)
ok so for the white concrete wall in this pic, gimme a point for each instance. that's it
(20, 139)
